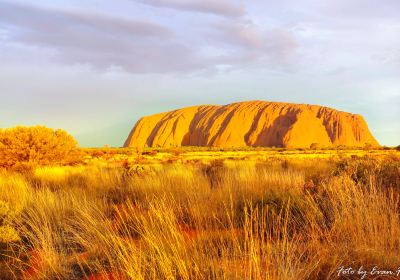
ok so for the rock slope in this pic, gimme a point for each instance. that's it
(253, 123)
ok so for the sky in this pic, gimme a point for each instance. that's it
(94, 68)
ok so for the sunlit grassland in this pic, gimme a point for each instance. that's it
(202, 215)
(203, 154)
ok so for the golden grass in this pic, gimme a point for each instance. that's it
(233, 220)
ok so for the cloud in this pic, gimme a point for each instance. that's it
(137, 46)
(96, 39)
(221, 7)
(248, 44)
(47, 20)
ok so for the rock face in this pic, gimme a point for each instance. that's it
(253, 123)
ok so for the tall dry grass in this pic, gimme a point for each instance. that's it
(242, 221)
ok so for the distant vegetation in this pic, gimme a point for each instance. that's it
(22, 147)
(268, 219)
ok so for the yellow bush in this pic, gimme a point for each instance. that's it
(14, 190)
(7, 233)
(26, 146)
(14, 195)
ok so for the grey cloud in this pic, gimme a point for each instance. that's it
(221, 7)
(99, 40)
(102, 41)
(254, 45)
(46, 20)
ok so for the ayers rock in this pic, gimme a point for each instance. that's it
(253, 123)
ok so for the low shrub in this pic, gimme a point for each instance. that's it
(24, 147)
